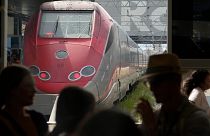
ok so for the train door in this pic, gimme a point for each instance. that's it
(119, 62)
(122, 63)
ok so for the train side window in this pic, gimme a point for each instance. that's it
(97, 23)
(110, 40)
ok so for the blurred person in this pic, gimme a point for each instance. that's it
(195, 86)
(110, 123)
(8, 57)
(15, 59)
(17, 92)
(74, 105)
(177, 116)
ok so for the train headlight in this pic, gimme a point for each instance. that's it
(34, 70)
(87, 71)
(44, 75)
(73, 76)
(62, 54)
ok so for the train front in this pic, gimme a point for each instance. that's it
(61, 45)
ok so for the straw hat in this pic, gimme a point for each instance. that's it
(162, 64)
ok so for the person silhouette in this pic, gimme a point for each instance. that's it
(177, 116)
(74, 105)
(17, 92)
(110, 122)
(195, 86)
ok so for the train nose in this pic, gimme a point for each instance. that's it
(59, 61)
(64, 64)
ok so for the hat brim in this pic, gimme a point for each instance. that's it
(154, 71)
(147, 76)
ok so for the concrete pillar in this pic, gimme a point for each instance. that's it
(3, 30)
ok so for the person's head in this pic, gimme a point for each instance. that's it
(17, 86)
(163, 74)
(110, 123)
(73, 105)
(199, 78)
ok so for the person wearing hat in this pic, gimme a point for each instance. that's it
(177, 116)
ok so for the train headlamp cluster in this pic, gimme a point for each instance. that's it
(34, 70)
(61, 54)
(73, 76)
(43, 75)
(86, 71)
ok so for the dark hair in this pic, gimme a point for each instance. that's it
(110, 123)
(72, 106)
(10, 78)
(195, 80)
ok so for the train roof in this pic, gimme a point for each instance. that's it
(69, 5)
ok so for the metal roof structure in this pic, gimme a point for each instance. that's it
(144, 20)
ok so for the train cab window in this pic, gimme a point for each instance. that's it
(66, 24)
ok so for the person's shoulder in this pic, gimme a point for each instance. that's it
(196, 91)
(198, 118)
(39, 121)
(199, 114)
(36, 116)
(34, 113)
(197, 123)
(190, 109)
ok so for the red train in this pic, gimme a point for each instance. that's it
(78, 43)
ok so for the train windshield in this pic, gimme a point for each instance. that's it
(66, 24)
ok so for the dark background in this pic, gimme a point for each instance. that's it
(191, 29)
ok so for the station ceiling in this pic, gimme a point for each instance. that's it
(25, 7)
(140, 18)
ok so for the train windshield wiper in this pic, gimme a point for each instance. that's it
(56, 26)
